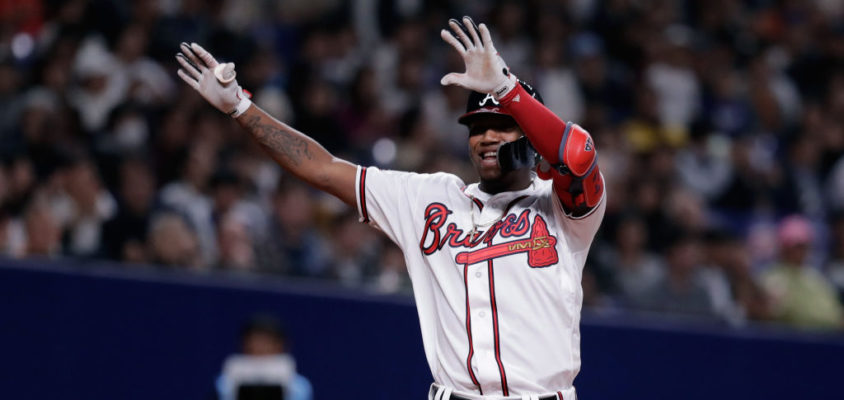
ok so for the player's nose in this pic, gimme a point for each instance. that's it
(491, 135)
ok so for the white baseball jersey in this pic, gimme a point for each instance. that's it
(499, 307)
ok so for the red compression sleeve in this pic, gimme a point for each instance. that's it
(543, 128)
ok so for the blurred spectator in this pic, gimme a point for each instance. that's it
(510, 19)
(417, 141)
(391, 276)
(671, 77)
(647, 199)
(835, 186)
(704, 165)
(127, 131)
(147, 81)
(234, 243)
(354, 255)
(264, 369)
(188, 196)
(801, 176)
(632, 269)
(681, 291)
(800, 295)
(772, 93)
(99, 85)
(82, 207)
(172, 243)
(10, 82)
(229, 198)
(731, 258)
(317, 114)
(719, 262)
(43, 233)
(19, 183)
(433, 123)
(686, 210)
(644, 130)
(124, 235)
(553, 77)
(363, 116)
(293, 245)
(405, 47)
(835, 265)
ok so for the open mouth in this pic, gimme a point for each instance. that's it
(489, 158)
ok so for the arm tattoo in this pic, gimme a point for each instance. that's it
(286, 143)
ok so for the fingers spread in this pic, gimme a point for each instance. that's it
(487, 39)
(190, 81)
(449, 38)
(460, 30)
(473, 31)
(191, 56)
(203, 54)
(188, 66)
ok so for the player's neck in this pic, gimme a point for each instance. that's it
(513, 181)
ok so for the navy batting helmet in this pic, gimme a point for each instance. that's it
(483, 103)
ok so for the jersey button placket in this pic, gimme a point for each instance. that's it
(482, 333)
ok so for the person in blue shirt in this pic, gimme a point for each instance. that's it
(264, 369)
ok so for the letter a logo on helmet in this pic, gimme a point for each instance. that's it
(488, 97)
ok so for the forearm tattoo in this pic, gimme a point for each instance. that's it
(288, 144)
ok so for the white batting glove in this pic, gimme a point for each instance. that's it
(485, 72)
(214, 81)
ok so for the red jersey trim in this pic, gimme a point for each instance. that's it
(362, 195)
(469, 330)
(504, 387)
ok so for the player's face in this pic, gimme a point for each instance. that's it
(486, 134)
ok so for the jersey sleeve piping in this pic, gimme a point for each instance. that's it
(360, 194)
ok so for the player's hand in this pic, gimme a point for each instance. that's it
(485, 72)
(214, 81)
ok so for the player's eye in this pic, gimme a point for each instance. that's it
(476, 130)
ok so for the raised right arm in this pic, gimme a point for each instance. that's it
(301, 155)
(292, 150)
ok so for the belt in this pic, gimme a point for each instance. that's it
(448, 395)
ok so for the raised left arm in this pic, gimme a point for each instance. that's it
(578, 181)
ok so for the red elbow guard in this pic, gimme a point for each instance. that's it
(577, 152)
(581, 188)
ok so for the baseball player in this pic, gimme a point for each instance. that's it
(496, 265)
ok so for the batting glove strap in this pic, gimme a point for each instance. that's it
(242, 105)
(506, 86)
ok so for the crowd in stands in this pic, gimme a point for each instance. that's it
(719, 126)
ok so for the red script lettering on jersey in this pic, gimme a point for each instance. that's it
(539, 246)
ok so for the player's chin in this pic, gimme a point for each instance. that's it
(488, 173)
